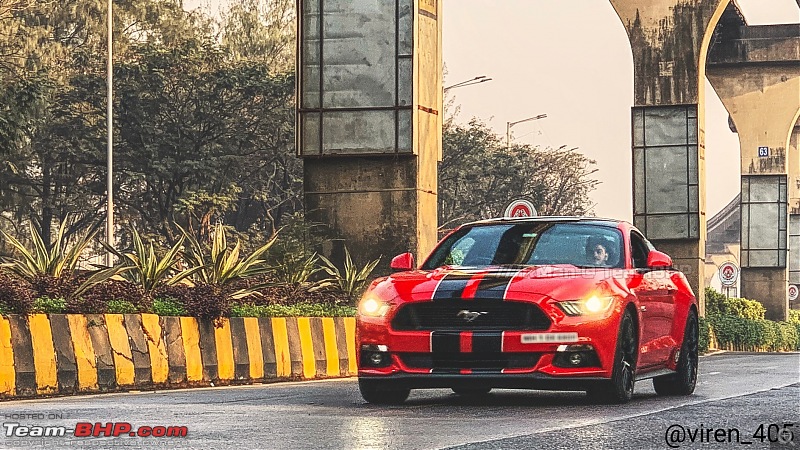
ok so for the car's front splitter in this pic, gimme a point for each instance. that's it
(487, 380)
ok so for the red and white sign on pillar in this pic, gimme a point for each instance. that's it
(794, 292)
(520, 208)
(728, 274)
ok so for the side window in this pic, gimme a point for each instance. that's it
(639, 250)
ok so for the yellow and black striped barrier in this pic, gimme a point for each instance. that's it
(57, 354)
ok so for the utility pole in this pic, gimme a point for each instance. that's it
(511, 124)
(110, 149)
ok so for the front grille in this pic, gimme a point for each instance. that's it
(458, 361)
(446, 315)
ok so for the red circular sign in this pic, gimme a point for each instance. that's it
(794, 292)
(728, 274)
(520, 208)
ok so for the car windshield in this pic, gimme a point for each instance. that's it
(530, 243)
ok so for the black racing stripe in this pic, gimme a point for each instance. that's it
(445, 342)
(494, 285)
(451, 287)
(487, 341)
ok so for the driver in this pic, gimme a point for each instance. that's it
(597, 252)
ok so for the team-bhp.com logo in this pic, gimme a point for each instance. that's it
(88, 429)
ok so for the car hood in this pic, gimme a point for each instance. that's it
(559, 282)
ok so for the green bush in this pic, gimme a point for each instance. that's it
(739, 323)
(47, 305)
(754, 335)
(794, 319)
(121, 307)
(719, 305)
(168, 307)
(298, 310)
(351, 280)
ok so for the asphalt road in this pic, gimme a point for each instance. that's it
(736, 393)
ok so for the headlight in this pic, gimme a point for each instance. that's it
(372, 306)
(587, 306)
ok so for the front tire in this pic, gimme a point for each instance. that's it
(379, 392)
(620, 388)
(684, 380)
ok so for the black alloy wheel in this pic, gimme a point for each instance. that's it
(623, 377)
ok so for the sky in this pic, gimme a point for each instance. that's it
(571, 60)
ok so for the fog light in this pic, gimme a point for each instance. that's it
(574, 356)
(376, 359)
(375, 356)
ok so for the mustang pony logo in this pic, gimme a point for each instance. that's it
(469, 316)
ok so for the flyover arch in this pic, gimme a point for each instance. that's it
(756, 72)
(670, 41)
(369, 122)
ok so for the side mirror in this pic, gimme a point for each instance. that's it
(403, 262)
(657, 259)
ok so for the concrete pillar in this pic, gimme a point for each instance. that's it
(794, 211)
(669, 41)
(369, 122)
(759, 89)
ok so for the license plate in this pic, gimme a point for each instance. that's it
(544, 338)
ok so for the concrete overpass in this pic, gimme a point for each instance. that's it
(369, 126)
(756, 73)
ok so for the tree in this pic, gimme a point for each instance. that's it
(478, 176)
(203, 139)
(50, 138)
(52, 102)
(261, 31)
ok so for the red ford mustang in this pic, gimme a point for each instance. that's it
(535, 303)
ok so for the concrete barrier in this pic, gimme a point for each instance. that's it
(58, 354)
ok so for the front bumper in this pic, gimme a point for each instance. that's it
(541, 373)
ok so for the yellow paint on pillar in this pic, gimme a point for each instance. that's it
(350, 335)
(254, 350)
(84, 352)
(280, 337)
(44, 355)
(8, 377)
(159, 364)
(331, 352)
(307, 347)
(224, 346)
(190, 334)
(120, 349)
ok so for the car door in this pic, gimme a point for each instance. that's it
(647, 293)
(663, 315)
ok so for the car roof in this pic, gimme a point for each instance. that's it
(556, 219)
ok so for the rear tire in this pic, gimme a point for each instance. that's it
(620, 388)
(379, 392)
(684, 380)
(471, 392)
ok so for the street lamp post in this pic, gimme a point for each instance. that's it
(109, 125)
(476, 80)
(511, 124)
